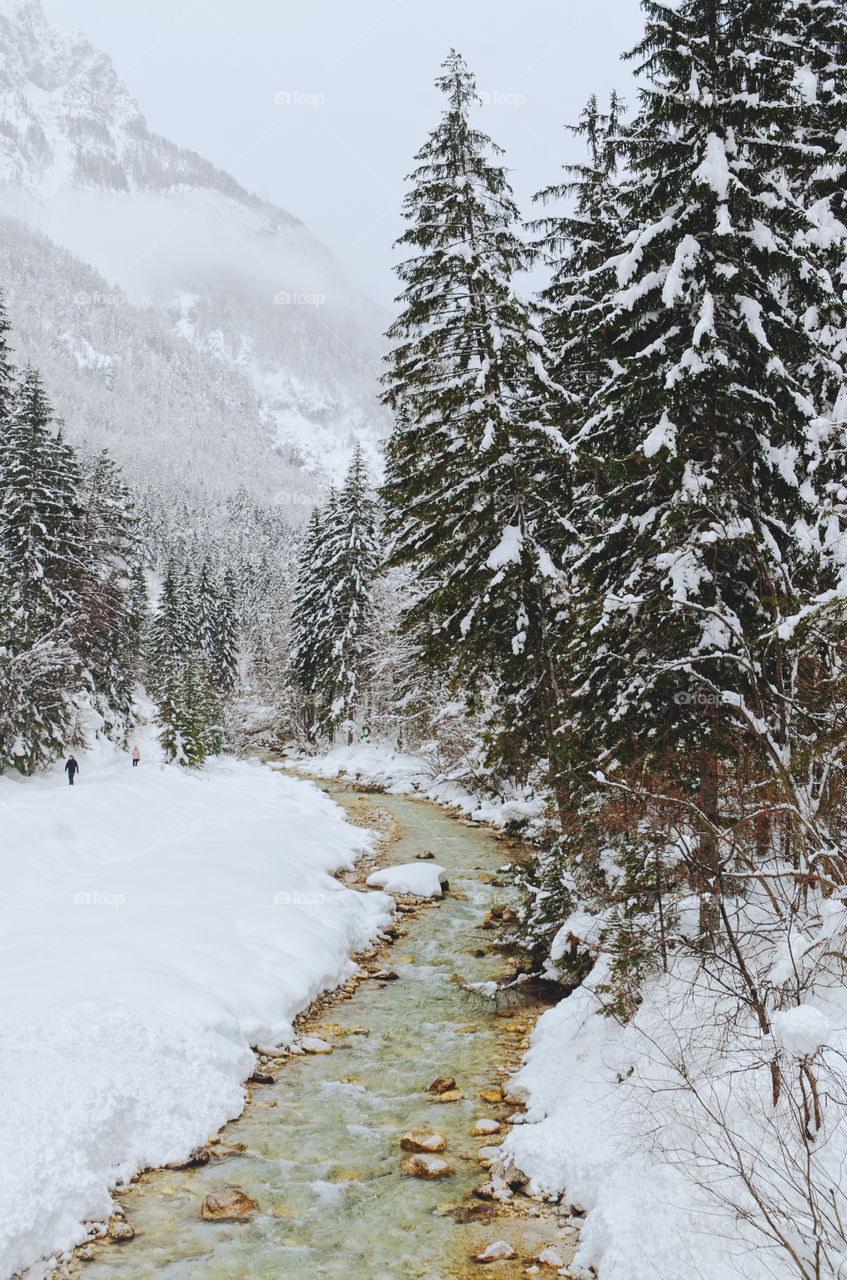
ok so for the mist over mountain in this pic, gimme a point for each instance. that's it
(201, 333)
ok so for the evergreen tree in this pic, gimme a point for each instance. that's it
(106, 623)
(701, 436)
(138, 604)
(169, 637)
(577, 246)
(473, 461)
(352, 556)
(182, 674)
(208, 602)
(40, 518)
(40, 527)
(225, 647)
(311, 644)
(8, 374)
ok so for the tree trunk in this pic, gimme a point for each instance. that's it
(708, 861)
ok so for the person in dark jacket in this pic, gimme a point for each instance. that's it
(71, 769)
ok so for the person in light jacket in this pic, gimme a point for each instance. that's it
(136, 756)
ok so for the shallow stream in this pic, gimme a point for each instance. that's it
(322, 1144)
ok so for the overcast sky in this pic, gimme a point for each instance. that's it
(320, 105)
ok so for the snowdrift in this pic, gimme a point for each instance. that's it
(154, 924)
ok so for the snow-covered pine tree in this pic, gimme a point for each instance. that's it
(40, 530)
(353, 553)
(473, 460)
(105, 627)
(811, 40)
(207, 597)
(225, 647)
(811, 36)
(138, 606)
(700, 437)
(169, 638)
(8, 373)
(577, 244)
(311, 643)
(181, 675)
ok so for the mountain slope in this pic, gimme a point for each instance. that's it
(200, 284)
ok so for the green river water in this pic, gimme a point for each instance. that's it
(323, 1143)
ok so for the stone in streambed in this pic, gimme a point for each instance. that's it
(452, 1095)
(425, 855)
(425, 1166)
(314, 1044)
(476, 1213)
(228, 1204)
(423, 1142)
(498, 1251)
(488, 1156)
(198, 1156)
(550, 1258)
(483, 1127)
(261, 1077)
(443, 1084)
(119, 1229)
(492, 1095)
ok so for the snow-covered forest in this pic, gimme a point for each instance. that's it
(592, 586)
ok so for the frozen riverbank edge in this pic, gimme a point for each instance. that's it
(611, 1123)
(158, 923)
(397, 774)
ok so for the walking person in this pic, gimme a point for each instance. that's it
(71, 769)
(136, 756)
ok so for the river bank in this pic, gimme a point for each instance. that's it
(319, 1148)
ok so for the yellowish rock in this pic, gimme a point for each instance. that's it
(484, 1127)
(497, 1251)
(452, 1095)
(423, 1142)
(492, 1095)
(228, 1204)
(314, 1044)
(442, 1084)
(423, 1165)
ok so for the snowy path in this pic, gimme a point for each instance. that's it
(153, 924)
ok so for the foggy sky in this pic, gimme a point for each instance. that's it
(353, 81)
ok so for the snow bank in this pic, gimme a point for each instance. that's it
(399, 774)
(425, 879)
(154, 924)
(613, 1126)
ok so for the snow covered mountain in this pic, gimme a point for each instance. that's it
(195, 329)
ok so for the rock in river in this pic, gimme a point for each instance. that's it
(228, 1204)
(423, 1142)
(443, 1084)
(485, 1126)
(120, 1230)
(425, 1166)
(495, 1252)
(314, 1044)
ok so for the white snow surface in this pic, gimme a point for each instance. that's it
(400, 774)
(611, 1126)
(154, 923)
(421, 878)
